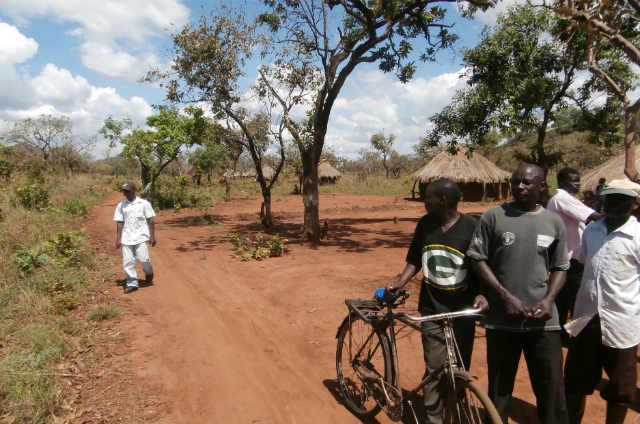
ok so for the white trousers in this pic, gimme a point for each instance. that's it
(131, 254)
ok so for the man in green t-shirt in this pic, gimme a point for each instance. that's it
(438, 248)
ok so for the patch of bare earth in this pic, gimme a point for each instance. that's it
(218, 340)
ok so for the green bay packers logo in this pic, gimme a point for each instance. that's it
(443, 267)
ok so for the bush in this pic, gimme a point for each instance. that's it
(31, 196)
(28, 260)
(103, 312)
(176, 193)
(66, 248)
(258, 248)
(6, 168)
(75, 207)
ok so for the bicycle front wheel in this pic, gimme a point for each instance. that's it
(363, 365)
(470, 405)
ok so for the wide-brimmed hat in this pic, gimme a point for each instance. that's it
(624, 186)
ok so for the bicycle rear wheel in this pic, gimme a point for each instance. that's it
(363, 365)
(470, 405)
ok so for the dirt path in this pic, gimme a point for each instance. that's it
(224, 341)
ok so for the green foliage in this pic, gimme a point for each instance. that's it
(31, 196)
(103, 312)
(28, 260)
(75, 207)
(6, 168)
(66, 248)
(259, 248)
(176, 193)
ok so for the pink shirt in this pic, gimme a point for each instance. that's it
(574, 214)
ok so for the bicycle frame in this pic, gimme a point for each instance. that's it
(385, 320)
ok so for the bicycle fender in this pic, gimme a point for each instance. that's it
(344, 322)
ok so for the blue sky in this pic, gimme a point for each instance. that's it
(82, 59)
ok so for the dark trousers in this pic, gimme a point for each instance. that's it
(434, 356)
(567, 296)
(543, 353)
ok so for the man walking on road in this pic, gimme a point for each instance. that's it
(606, 320)
(439, 242)
(575, 216)
(135, 227)
(519, 251)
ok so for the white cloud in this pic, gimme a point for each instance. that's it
(15, 47)
(373, 101)
(116, 34)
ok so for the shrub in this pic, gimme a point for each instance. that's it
(175, 193)
(63, 303)
(66, 248)
(75, 207)
(258, 248)
(31, 196)
(6, 168)
(28, 260)
(103, 312)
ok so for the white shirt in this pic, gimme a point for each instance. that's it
(574, 214)
(134, 215)
(610, 284)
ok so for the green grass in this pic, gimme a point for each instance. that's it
(45, 265)
(103, 312)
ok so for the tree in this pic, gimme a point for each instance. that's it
(156, 148)
(42, 134)
(612, 32)
(384, 146)
(519, 78)
(330, 39)
(209, 60)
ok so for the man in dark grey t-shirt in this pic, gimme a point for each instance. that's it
(519, 251)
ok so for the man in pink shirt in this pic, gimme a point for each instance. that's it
(575, 216)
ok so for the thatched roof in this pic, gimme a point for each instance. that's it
(325, 170)
(613, 169)
(461, 168)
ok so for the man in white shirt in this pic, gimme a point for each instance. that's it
(135, 227)
(575, 216)
(606, 319)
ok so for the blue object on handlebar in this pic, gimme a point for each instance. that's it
(383, 295)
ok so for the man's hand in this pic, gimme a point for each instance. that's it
(481, 302)
(152, 241)
(543, 309)
(392, 286)
(515, 309)
(118, 245)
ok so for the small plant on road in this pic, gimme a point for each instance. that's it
(258, 248)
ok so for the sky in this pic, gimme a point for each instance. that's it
(83, 59)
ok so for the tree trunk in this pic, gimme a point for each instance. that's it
(227, 188)
(265, 210)
(309, 181)
(630, 139)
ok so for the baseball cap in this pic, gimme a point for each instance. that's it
(128, 187)
(622, 186)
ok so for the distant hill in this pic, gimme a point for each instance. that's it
(577, 152)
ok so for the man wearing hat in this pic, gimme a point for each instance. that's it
(135, 227)
(606, 318)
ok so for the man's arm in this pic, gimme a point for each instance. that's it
(594, 217)
(544, 308)
(408, 273)
(513, 306)
(152, 231)
(119, 225)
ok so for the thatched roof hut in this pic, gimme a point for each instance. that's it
(327, 173)
(476, 175)
(613, 169)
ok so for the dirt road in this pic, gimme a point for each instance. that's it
(224, 341)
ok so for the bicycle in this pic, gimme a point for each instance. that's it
(367, 363)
